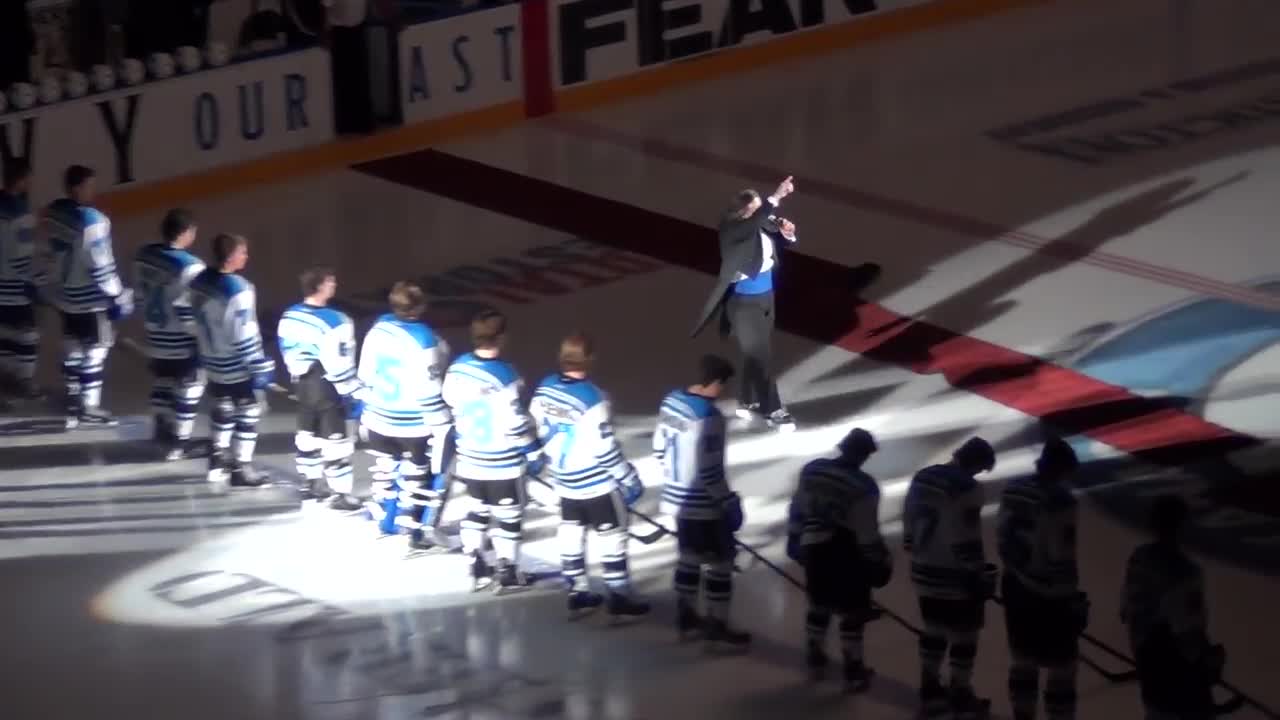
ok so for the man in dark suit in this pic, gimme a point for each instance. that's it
(743, 297)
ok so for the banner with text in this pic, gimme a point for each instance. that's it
(167, 128)
(461, 63)
(596, 40)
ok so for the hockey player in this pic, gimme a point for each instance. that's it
(85, 288)
(689, 445)
(405, 420)
(942, 532)
(18, 336)
(595, 482)
(1164, 607)
(224, 305)
(318, 348)
(164, 272)
(1044, 609)
(836, 507)
(496, 447)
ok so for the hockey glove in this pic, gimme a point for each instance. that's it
(262, 380)
(985, 581)
(355, 407)
(731, 512)
(631, 488)
(1080, 611)
(121, 306)
(534, 467)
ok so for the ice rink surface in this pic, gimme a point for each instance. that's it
(1073, 206)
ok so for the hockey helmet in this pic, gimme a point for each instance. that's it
(858, 443)
(976, 453)
(1058, 456)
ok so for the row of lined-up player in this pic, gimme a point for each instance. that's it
(428, 421)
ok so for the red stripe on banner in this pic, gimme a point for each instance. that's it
(535, 44)
(820, 302)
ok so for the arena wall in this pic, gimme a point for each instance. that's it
(166, 141)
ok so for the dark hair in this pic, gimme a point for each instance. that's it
(313, 277)
(741, 201)
(487, 328)
(713, 368)
(176, 222)
(75, 176)
(15, 171)
(407, 300)
(576, 352)
(225, 244)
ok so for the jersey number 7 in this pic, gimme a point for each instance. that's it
(552, 430)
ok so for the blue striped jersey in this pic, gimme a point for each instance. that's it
(311, 334)
(1164, 593)
(164, 274)
(493, 432)
(689, 446)
(82, 276)
(576, 432)
(1036, 536)
(836, 500)
(402, 363)
(942, 529)
(224, 306)
(17, 249)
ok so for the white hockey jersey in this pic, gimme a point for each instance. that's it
(164, 276)
(689, 445)
(310, 334)
(493, 432)
(576, 433)
(82, 276)
(1036, 536)
(1164, 595)
(836, 501)
(224, 306)
(402, 364)
(942, 530)
(17, 249)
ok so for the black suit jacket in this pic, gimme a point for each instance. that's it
(740, 252)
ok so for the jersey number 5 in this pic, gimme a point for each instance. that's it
(388, 384)
(477, 422)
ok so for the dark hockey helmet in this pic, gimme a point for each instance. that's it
(1058, 456)
(978, 454)
(858, 443)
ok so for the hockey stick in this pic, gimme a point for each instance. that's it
(796, 582)
(1122, 676)
(133, 347)
(649, 539)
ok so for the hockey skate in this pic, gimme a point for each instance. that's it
(427, 541)
(481, 572)
(967, 706)
(749, 412)
(245, 475)
(782, 421)
(90, 418)
(509, 578)
(933, 701)
(345, 503)
(815, 660)
(689, 624)
(720, 637)
(622, 606)
(186, 450)
(857, 677)
(582, 603)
